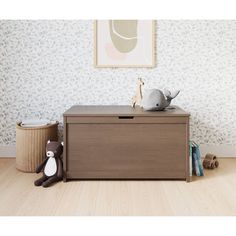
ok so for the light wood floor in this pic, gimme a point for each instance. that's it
(214, 194)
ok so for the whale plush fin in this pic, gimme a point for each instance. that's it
(174, 94)
(171, 95)
(167, 92)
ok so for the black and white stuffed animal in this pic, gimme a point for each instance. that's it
(51, 166)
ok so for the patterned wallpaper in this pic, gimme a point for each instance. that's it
(47, 66)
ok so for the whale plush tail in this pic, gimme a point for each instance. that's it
(171, 95)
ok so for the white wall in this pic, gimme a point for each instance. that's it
(47, 66)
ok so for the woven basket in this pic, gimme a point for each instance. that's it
(31, 145)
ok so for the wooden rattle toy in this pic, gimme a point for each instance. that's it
(210, 161)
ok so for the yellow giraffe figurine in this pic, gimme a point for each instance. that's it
(136, 100)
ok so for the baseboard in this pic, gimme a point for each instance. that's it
(218, 150)
(7, 151)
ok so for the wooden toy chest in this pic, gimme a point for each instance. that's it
(121, 142)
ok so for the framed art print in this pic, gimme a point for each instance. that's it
(124, 43)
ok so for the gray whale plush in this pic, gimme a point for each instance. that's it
(156, 100)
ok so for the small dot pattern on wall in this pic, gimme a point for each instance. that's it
(47, 66)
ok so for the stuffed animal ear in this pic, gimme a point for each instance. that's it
(62, 143)
(48, 141)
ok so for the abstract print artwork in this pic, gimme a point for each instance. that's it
(124, 43)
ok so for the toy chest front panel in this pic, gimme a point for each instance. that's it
(126, 147)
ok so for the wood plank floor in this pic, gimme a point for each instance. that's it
(213, 194)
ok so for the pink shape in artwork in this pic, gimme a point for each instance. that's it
(113, 53)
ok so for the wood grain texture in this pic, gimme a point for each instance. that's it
(64, 148)
(187, 173)
(125, 119)
(122, 110)
(126, 150)
(121, 142)
(211, 195)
